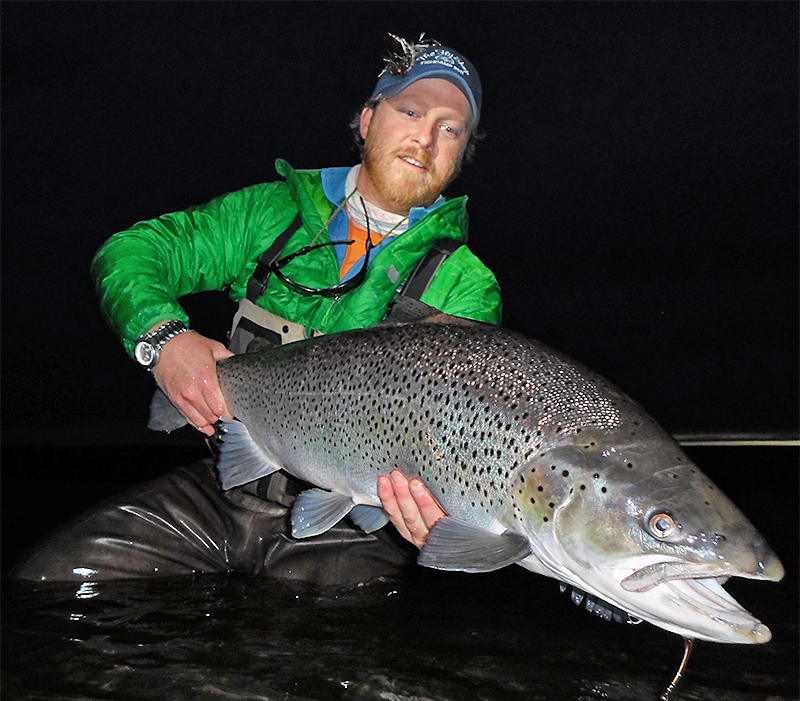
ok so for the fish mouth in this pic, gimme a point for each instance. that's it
(711, 613)
(707, 610)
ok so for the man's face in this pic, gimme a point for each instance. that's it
(414, 144)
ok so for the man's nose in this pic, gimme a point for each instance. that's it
(425, 134)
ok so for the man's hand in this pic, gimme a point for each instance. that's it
(187, 372)
(412, 508)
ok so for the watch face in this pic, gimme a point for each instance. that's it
(145, 353)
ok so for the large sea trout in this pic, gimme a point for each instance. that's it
(537, 461)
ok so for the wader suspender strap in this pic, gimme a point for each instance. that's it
(251, 321)
(258, 282)
(422, 276)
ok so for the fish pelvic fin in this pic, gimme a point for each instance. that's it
(240, 459)
(369, 518)
(317, 510)
(455, 545)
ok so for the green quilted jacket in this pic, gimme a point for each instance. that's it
(141, 272)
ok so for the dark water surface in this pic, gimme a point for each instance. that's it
(438, 636)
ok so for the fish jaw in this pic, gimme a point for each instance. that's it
(680, 596)
(690, 599)
(694, 605)
(676, 593)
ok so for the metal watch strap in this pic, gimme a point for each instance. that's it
(165, 332)
(156, 339)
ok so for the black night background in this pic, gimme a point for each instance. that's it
(636, 192)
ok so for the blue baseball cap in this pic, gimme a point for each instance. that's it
(430, 61)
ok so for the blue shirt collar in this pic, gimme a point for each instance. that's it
(333, 180)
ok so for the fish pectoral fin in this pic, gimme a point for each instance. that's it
(240, 459)
(369, 518)
(317, 510)
(455, 545)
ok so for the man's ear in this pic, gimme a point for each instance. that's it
(366, 118)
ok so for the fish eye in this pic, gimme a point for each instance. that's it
(661, 525)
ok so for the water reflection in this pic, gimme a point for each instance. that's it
(505, 636)
(87, 590)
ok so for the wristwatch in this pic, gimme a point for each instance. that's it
(148, 346)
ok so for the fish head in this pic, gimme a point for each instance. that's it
(641, 526)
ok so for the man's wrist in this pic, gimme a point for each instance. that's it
(147, 350)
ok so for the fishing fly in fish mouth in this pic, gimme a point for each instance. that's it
(536, 460)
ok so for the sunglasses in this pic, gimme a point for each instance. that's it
(337, 290)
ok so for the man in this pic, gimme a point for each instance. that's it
(318, 252)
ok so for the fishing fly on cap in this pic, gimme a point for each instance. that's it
(427, 58)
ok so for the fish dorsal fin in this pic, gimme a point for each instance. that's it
(241, 460)
(405, 310)
(317, 510)
(455, 545)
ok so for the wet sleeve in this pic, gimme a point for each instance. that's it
(463, 286)
(140, 273)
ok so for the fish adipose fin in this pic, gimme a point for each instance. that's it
(369, 518)
(240, 459)
(454, 545)
(317, 510)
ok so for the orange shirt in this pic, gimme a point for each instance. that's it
(356, 250)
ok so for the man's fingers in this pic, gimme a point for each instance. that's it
(388, 499)
(214, 401)
(429, 508)
(197, 412)
(411, 507)
(187, 372)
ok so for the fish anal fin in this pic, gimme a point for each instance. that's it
(240, 459)
(369, 518)
(455, 545)
(317, 510)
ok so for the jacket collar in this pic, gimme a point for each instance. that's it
(333, 180)
(299, 182)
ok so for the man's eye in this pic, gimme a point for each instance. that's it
(450, 131)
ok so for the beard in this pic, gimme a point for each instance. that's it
(401, 187)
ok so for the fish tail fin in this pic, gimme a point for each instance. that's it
(164, 415)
